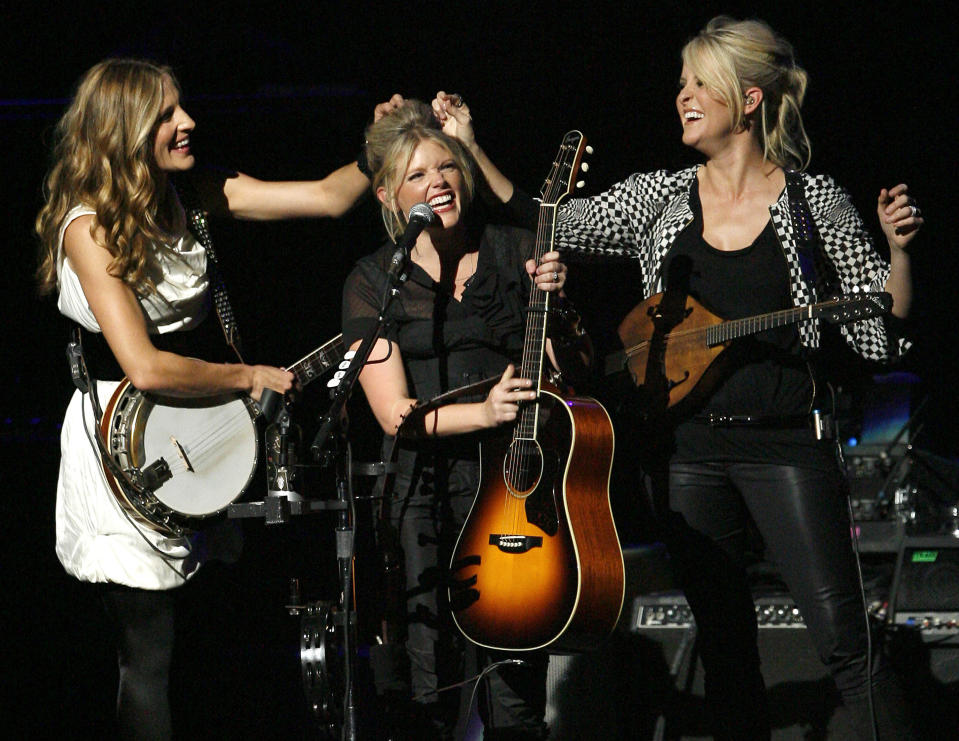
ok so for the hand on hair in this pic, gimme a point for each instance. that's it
(899, 216)
(454, 117)
(385, 109)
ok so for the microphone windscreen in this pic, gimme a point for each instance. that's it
(421, 212)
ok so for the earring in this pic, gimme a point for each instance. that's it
(750, 100)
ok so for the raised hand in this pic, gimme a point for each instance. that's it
(385, 109)
(899, 216)
(454, 116)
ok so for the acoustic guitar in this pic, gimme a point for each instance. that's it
(538, 562)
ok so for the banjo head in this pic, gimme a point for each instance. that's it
(209, 443)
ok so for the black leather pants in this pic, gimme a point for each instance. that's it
(802, 516)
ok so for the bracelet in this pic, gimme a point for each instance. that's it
(363, 164)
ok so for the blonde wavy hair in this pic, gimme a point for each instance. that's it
(103, 158)
(390, 144)
(729, 56)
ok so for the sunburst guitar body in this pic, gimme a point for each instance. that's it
(538, 563)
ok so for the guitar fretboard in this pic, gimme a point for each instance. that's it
(736, 328)
(841, 310)
(558, 185)
(317, 362)
(534, 345)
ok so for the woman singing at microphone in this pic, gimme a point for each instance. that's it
(458, 319)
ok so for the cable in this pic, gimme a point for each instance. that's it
(475, 678)
(167, 557)
(865, 612)
(854, 537)
(88, 388)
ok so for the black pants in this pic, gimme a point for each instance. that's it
(437, 495)
(144, 628)
(802, 516)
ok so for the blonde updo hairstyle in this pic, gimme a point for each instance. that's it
(729, 57)
(390, 144)
(103, 158)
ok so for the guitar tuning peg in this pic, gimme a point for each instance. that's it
(584, 166)
(589, 149)
(580, 183)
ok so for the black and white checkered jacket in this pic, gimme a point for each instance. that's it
(641, 216)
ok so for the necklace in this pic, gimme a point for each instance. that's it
(470, 270)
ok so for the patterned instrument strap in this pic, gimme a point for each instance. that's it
(819, 273)
(197, 223)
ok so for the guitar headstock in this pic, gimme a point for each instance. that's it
(566, 166)
(855, 306)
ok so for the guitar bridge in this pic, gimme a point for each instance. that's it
(516, 543)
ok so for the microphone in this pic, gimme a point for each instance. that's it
(420, 217)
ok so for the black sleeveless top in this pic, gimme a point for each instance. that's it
(768, 376)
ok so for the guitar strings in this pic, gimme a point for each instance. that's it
(208, 439)
(199, 447)
(730, 324)
(205, 439)
(520, 455)
(199, 462)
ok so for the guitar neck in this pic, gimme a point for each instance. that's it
(534, 347)
(558, 185)
(736, 328)
(317, 362)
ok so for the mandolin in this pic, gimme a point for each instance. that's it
(671, 341)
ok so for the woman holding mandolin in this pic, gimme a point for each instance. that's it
(747, 233)
(115, 245)
(457, 320)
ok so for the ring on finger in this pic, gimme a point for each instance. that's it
(459, 101)
(555, 277)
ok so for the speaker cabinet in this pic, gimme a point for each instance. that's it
(647, 682)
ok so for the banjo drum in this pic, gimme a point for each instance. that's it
(190, 457)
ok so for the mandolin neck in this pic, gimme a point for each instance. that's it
(736, 328)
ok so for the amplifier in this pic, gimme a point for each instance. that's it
(932, 624)
(803, 700)
(670, 610)
(925, 588)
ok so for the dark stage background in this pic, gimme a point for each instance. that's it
(283, 90)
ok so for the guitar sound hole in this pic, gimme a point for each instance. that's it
(523, 467)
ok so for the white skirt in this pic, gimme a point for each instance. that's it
(96, 539)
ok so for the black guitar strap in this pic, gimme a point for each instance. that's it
(817, 270)
(821, 276)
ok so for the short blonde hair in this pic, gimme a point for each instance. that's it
(730, 56)
(390, 144)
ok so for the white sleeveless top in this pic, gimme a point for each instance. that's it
(180, 277)
(95, 540)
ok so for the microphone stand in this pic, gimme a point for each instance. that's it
(333, 427)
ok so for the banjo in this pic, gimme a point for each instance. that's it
(187, 458)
